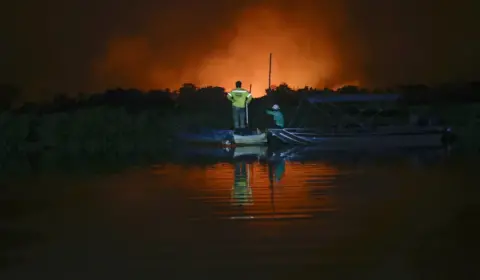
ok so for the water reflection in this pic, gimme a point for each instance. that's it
(242, 190)
(250, 152)
(276, 170)
(244, 173)
(259, 189)
(251, 212)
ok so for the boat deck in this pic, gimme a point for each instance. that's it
(389, 136)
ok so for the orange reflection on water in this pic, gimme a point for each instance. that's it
(244, 190)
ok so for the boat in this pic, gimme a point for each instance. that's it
(374, 139)
(337, 129)
(244, 137)
(253, 139)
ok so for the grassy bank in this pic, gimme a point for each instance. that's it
(86, 130)
(106, 129)
(463, 118)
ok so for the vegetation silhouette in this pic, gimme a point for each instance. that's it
(129, 120)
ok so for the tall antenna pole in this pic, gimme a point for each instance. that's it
(246, 105)
(270, 74)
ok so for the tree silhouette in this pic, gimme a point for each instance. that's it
(8, 95)
(212, 99)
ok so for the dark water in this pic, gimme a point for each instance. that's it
(336, 216)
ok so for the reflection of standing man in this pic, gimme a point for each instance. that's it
(241, 192)
(276, 170)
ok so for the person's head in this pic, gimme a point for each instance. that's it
(238, 84)
(275, 107)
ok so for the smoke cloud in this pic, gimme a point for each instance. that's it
(223, 48)
(87, 45)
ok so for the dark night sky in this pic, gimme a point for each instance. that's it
(86, 45)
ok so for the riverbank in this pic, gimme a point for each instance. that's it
(463, 118)
(108, 129)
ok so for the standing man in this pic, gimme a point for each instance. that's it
(239, 98)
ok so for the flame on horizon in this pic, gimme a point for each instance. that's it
(262, 31)
(302, 56)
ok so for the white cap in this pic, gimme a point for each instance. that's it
(275, 107)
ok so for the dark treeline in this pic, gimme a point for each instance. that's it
(126, 121)
(192, 98)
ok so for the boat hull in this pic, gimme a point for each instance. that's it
(256, 139)
(223, 137)
(393, 138)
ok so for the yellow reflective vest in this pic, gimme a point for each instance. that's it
(239, 97)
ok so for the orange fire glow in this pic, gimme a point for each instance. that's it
(302, 55)
(260, 32)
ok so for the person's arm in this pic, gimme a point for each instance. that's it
(249, 97)
(230, 96)
(270, 112)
